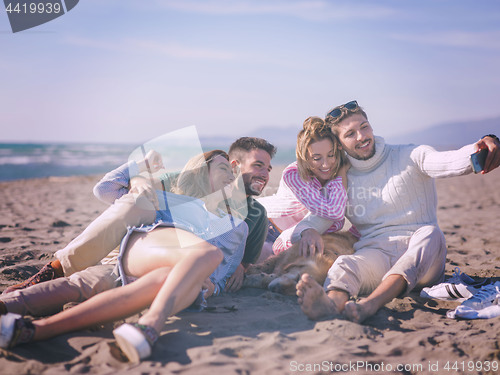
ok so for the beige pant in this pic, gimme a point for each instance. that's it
(105, 233)
(80, 259)
(49, 297)
(419, 258)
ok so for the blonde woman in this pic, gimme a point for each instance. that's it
(170, 263)
(315, 183)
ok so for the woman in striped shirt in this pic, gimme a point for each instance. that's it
(315, 183)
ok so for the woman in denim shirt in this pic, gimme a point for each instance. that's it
(171, 262)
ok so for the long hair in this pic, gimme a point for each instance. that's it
(314, 130)
(194, 178)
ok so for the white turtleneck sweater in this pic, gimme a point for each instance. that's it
(393, 193)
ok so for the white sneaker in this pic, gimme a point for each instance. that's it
(488, 295)
(136, 341)
(458, 287)
(7, 325)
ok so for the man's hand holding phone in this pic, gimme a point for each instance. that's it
(487, 156)
(478, 159)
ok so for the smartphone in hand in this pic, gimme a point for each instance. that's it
(478, 159)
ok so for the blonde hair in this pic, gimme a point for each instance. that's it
(315, 129)
(194, 179)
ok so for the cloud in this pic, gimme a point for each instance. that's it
(312, 10)
(181, 51)
(170, 49)
(483, 40)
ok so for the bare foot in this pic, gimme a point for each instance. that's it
(358, 312)
(313, 300)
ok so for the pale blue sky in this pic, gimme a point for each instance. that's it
(127, 71)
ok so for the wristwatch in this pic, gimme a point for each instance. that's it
(492, 136)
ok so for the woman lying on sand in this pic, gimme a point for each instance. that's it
(171, 265)
(316, 183)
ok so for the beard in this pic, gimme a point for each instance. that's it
(250, 190)
(369, 156)
(358, 156)
(251, 187)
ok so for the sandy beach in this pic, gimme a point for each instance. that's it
(256, 331)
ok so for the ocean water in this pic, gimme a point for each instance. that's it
(34, 160)
(31, 160)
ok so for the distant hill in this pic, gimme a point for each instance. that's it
(283, 138)
(450, 134)
(286, 137)
(443, 136)
(446, 135)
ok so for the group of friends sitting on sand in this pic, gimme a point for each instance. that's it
(169, 241)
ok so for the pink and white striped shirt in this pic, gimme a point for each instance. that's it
(295, 198)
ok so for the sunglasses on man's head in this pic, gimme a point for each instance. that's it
(337, 111)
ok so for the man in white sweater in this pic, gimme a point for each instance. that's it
(392, 202)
